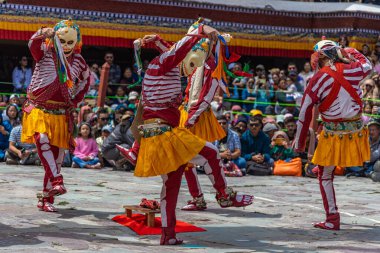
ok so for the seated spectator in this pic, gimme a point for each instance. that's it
(128, 77)
(280, 96)
(369, 89)
(236, 111)
(106, 131)
(15, 99)
(263, 95)
(103, 118)
(255, 146)
(84, 111)
(95, 74)
(86, 149)
(122, 136)
(114, 73)
(374, 139)
(291, 106)
(93, 91)
(280, 145)
(133, 100)
(21, 76)
(249, 95)
(12, 115)
(20, 153)
(280, 121)
(241, 124)
(230, 147)
(306, 74)
(291, 128)
(269, 129)
(121, 97)
(5, 130)
(366, 50)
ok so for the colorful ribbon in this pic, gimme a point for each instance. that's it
(63, 69)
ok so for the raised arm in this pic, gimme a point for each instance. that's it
(359, 61)
(36, 43)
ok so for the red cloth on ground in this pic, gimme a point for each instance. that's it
(138, 224)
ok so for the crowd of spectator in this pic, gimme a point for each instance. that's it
(259, 117)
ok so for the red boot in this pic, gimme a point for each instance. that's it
(45, 203)
(58, 187)
(168, 237)
(129, 154)
(332, 222)
(229, 198)
(196, 204)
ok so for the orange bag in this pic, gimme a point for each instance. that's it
(339, 171)
(292, 168)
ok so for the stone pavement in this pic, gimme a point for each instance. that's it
(278, 221)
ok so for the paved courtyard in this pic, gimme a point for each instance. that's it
(279, 220)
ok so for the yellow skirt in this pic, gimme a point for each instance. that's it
(55, 126)
(161, 154)
(341, 150)
(207, 127)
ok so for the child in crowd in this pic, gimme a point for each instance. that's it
(121, 97)
(86, 150)
(106, 131)
(15, 99)
(281, 149)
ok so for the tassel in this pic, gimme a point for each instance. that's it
(63, 69)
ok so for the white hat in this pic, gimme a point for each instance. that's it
(133, 95)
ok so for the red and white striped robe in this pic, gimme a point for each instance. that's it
(45, 84)
(320, 86)
(161, 87)
(207, 93)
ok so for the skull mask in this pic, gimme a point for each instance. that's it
(196, 57)
(69, 35)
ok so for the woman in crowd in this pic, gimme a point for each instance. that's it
(12, 112)
(86, 150)
(21, 76)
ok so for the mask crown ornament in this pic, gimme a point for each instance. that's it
(197, 55)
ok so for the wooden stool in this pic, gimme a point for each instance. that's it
(149, 214)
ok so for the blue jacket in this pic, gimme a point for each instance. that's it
(251, 145)
(4, 139)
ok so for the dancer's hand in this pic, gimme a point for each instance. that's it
(212, 33)
(48, 32)
(148, 38)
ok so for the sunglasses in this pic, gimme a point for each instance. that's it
(254, 124)
(104, 119)
(292, 68)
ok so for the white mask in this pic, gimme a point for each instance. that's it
(196, 57)
(69, 38)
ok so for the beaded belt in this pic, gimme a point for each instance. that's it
(345, 126)
(55, 112)
(150, 130)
